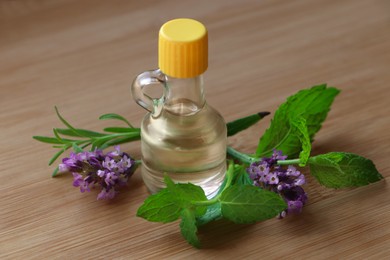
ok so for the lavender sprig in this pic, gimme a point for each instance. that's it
(82, 138)
(110, 171)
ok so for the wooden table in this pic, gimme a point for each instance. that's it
(83, 55)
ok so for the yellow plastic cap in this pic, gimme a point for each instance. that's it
(183, 48)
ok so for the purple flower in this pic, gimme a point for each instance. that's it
(109, 171)
(110, 179)
(278, 155)
(285, 181)
(82, 156)
(125, 163)
(62, 167)
(77, 179)
(292, 171)
(295, 198)
(258, 170)
(70, 164)
(115, 153)
(101, 173)
(109, 163)
(272, 178)
(299, 180)
(294, 206)
(106, 194)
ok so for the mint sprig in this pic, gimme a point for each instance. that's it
(237, 203)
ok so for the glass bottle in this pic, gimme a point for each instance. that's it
(181, 136)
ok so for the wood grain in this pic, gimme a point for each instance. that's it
(82, 57)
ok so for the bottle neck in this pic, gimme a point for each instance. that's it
(184, 96)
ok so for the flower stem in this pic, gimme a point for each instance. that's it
(288, 162)
(245, 158)
(229, 179)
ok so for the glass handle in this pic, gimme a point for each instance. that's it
(141, 82)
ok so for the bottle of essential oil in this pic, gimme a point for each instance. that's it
(181, 136)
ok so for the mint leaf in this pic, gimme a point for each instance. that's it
(160, 207)
(299, 129)
(184, 194)
(213, 213)
(248, 204)
(240, 176)
(312, 105)
(188, 227)
(243, 123)
(339, 170)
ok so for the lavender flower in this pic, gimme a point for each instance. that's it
(286, 182)
(109, 170)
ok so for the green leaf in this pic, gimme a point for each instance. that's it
(83, 132)
(76, 148)
(248, 204)
(188, 227)
(97, 143)
(58, 136)
(300, 131)
(241, 177)
(339, 170)
(184, 194)
(68, 125)
(213, 213)
(122, 130)
(243, 123)
(160, 207)
(55, 172)
(50, 140)
(85, 145)
(115, 116)
(312, 105)
(56, 155)
(120, 140)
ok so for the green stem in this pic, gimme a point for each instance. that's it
(229, 179)
(288, 162)
(245, 158)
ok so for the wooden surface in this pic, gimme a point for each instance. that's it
(82, 57)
